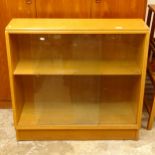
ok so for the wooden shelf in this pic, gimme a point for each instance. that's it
(77, 67)
(77, 115)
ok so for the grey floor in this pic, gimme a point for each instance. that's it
(9, 146)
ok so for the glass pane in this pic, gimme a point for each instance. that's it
(78, 100)
(77, 54)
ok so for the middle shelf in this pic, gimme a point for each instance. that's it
(76, 67)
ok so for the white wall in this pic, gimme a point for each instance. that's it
(151, 1)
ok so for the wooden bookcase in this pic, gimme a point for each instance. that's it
(77, 78)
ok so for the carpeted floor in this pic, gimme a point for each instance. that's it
(9, 146)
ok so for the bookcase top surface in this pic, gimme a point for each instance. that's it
(27, 25)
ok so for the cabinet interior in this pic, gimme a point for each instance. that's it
(77, 100)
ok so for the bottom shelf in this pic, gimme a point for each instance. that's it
(44, 115)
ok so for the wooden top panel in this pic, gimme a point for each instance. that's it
(76, 26)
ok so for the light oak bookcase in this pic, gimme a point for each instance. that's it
(77, 78)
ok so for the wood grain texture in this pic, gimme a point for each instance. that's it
(20, 8)
(5, 104)
(4, 77)
(91, 8)
(119, 9)
(8, 10)
(63, 8)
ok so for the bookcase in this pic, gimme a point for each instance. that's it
(77, 79)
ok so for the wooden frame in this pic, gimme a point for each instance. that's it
(64, 83)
